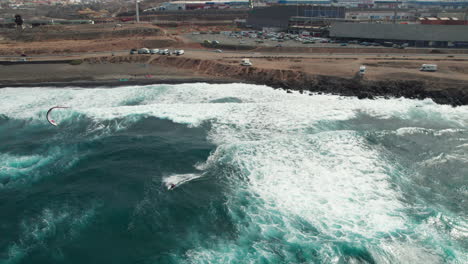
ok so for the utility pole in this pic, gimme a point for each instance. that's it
(395, 12)
(464, 17)
(137, 12)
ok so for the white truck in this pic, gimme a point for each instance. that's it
(428, 67)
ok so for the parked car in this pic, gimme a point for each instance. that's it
(246, 62)
(362, 70)
(144, 51)
(428, 67)
(163, 52)
(154, 51)
(218, 51)
(179, 52)
(343, 44)
(387, 44)
(133, 51)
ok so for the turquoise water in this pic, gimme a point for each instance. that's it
(262, 176)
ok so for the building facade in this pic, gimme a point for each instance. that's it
(414, 34)
(380, 15)
(279, 15)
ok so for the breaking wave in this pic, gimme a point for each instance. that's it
(262, 176)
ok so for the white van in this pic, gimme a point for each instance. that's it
(428, 67)
(246, 62)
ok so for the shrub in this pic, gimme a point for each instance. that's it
(76, 62)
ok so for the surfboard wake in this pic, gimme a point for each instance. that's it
(174, 181)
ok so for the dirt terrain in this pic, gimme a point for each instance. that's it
(105, 57)
(83, 38)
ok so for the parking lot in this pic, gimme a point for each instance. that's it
(273, 40)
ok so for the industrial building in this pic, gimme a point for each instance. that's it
(195, 5)
(380, 15)
(414, 34)
(448, 4)
(279, 16)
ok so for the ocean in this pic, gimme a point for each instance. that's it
(260, 176)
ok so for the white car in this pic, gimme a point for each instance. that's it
(163, 52)
(179, 52)
(246, 62)
(428, 67)
(218, 51)
(154, 51)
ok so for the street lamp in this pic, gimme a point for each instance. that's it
(137, 12)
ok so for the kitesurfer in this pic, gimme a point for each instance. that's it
(171, 186)
(51, 121)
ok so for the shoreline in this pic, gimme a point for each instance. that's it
(113, 84)
(116, 71)
(440, 97)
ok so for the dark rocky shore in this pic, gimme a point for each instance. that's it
(455, 96)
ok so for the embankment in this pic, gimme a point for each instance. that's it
(187, 69)
(453, 94)
(91, 32)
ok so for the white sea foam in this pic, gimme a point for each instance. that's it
(294, 166)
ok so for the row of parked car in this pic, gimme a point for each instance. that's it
(157, 51)
(375, 44)
(274, 36)
(304, 38)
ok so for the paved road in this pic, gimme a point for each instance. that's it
(229, 53)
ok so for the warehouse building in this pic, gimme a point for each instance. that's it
(279, 16)
(414, 34)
